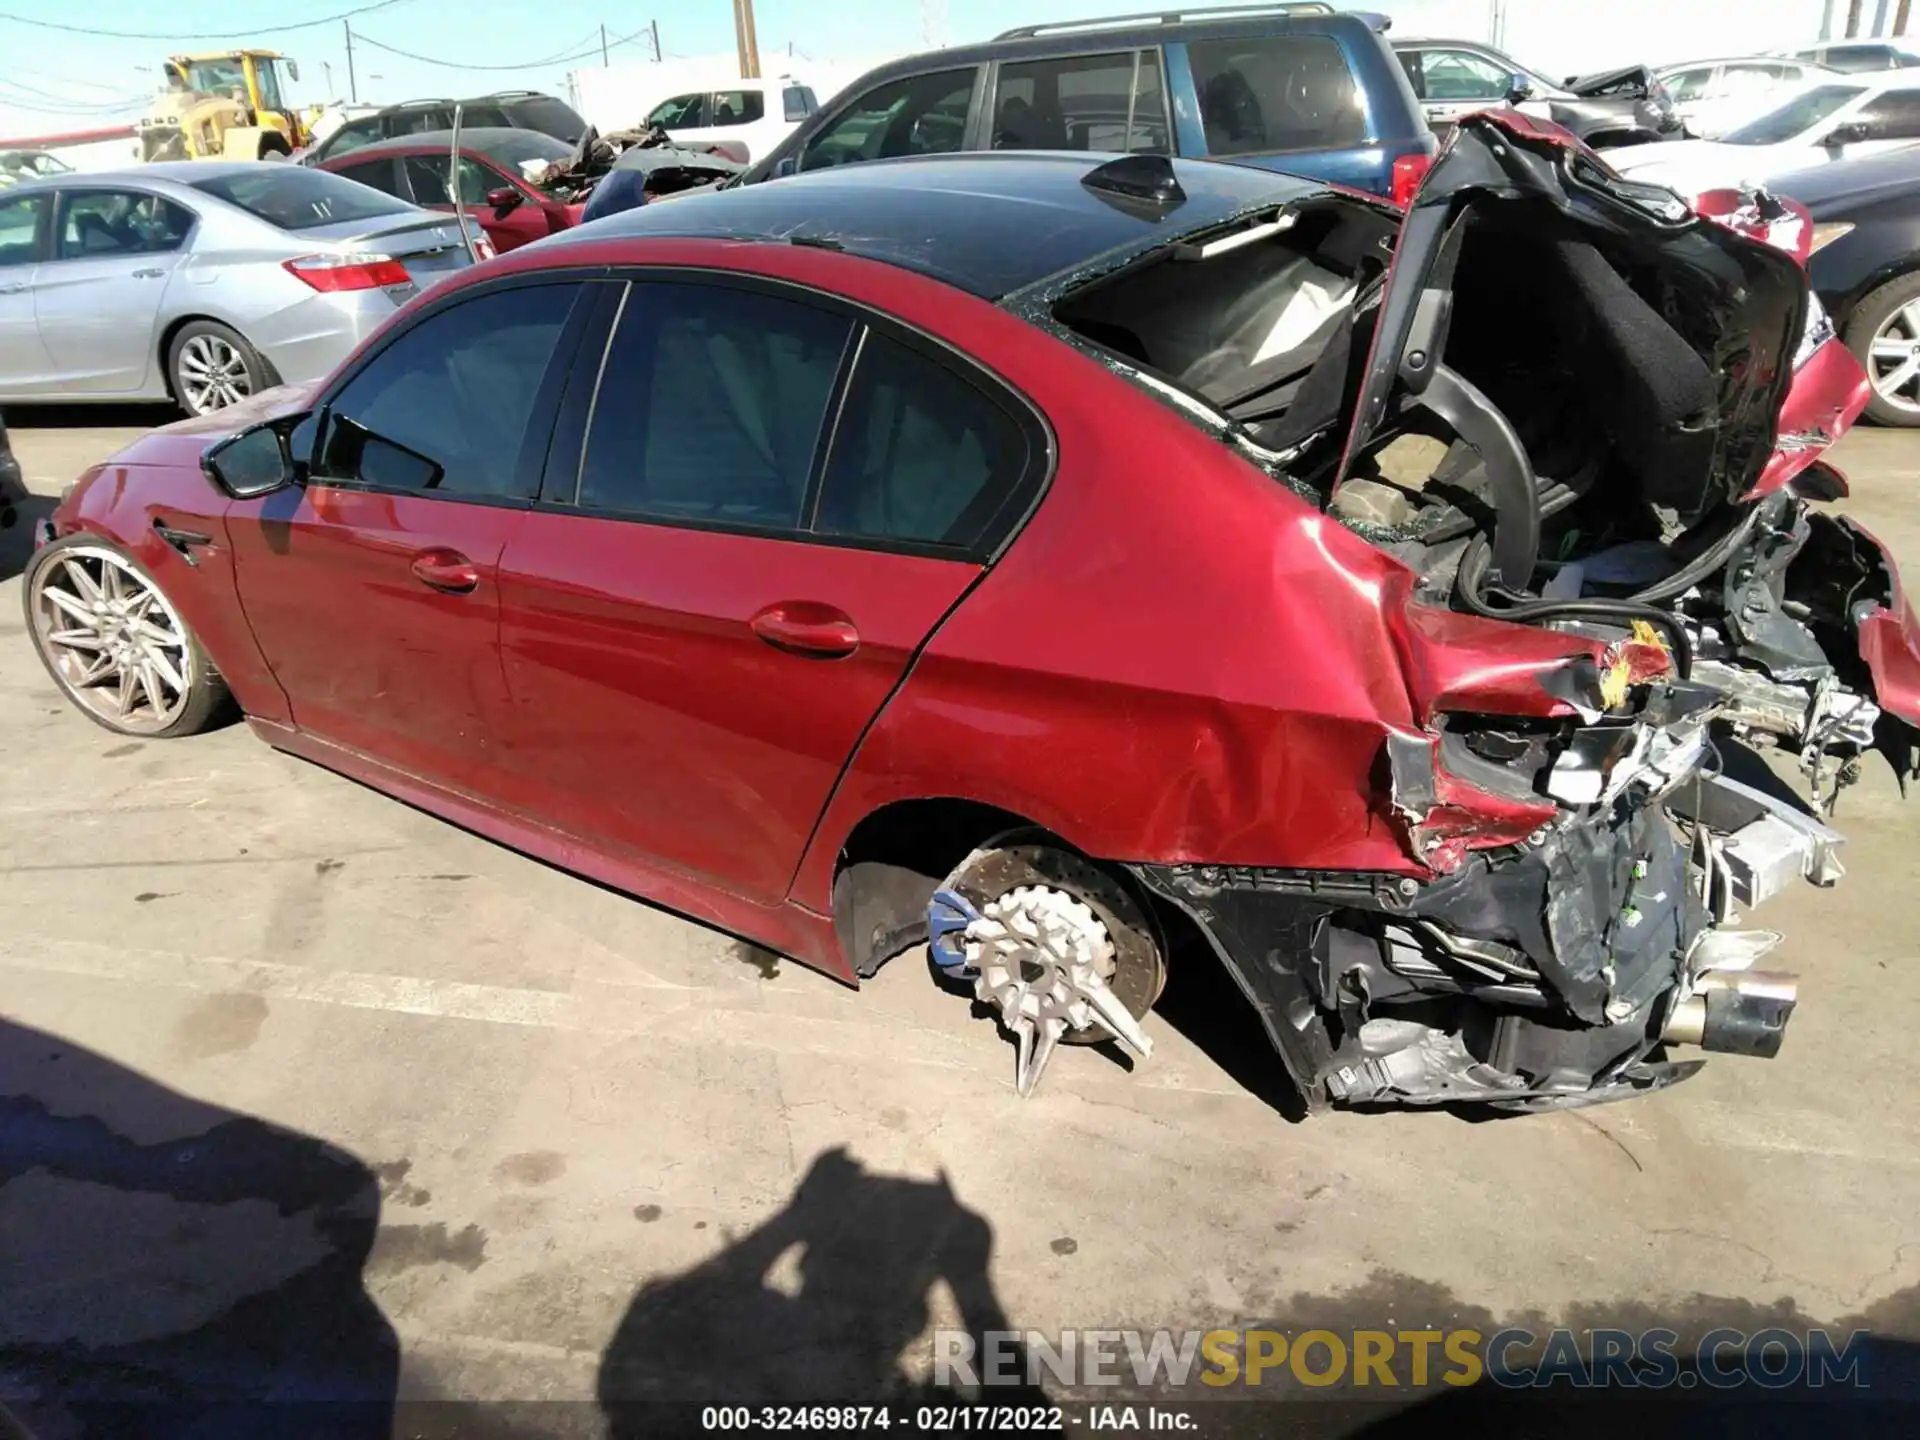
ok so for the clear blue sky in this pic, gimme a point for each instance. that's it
(50, 80)
(62, 73)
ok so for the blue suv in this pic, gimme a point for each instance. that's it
(1295, 87)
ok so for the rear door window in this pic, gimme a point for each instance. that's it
(99, 223)
(457, 391)
(1081, 102)
(419, 121)
(20, 227)
(711, 406)
(1691, 84)
(682, 112)
(738, 107)
(921, 455)
(1276, 93)
(921, 115)
(427, 177)
(380, 173)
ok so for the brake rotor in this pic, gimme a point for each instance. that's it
(1055, 947)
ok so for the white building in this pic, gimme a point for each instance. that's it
(617, 97)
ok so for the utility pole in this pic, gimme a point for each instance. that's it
(654, 27)
(603, 47)
(1853, 18)
(1826, 21)
(353, 85)
(749, 43)
(1900, 17)
(1880, 18)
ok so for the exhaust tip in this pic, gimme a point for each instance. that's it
(1735, 1013)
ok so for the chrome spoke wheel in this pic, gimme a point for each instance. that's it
(111, 639)
(213, 374)
(1893, 358)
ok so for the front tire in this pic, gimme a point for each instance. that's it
(211, 366)
(115, 645)
(1884, 334)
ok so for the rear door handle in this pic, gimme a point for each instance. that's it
(18, 288)
(807, 627)
(148, 274)
(448, 570)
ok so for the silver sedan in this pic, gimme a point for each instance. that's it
(202, 282)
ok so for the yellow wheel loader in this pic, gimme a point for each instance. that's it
(229, 106)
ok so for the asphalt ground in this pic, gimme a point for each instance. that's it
(299, 1083)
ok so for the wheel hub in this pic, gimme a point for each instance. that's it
(1043, 960)
(111, 639)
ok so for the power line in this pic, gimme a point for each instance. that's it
(250, 30)
(81, 111)
(573, 54)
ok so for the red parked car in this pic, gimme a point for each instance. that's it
(1050, 556)
(494, 190)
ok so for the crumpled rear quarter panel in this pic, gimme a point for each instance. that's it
(1179, 659)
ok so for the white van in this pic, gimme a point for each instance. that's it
(755, 113)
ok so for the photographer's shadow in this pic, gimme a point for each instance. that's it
(170, 1268)
(820, 1303)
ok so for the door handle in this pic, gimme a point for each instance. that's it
(807, 627)
(447, 570)
(14, 289)
(148, 274)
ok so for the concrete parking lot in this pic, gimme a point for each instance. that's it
(526, 1139)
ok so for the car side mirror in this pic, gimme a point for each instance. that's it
(257, 461)
(787, 166)
(1519, 89)
(504, 200)
(1852, 133)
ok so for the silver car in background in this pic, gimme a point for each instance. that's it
(202, 282)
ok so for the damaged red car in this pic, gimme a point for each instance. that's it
(1047, 557)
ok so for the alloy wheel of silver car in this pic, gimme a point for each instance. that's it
(213, 374)
(1894, 358)
(112, 640)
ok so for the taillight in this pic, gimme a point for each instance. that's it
(349, 272)
(1408, 172)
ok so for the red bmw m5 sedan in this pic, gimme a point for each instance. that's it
(1043, 557)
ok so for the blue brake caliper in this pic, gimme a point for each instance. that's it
(948, 916)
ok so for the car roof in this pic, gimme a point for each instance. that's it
(1094, 36)
(169, 172)
(473, 137)
(1748, 59)
(988, 222)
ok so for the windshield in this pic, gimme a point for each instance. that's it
(217, 77)
(295, 198)
(1801, 113)
(32, 162)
